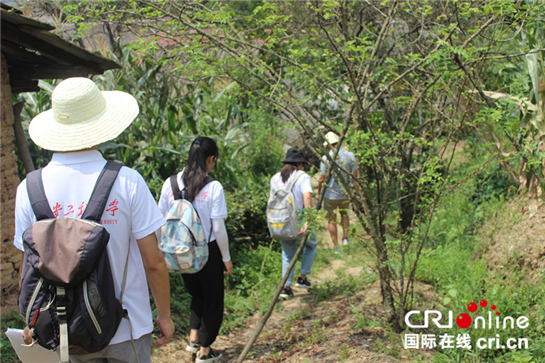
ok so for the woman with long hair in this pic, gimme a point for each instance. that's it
(302, 193)
(206, 287)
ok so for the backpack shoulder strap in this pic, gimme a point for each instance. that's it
(275, 185)
(103, 186)
(36, 195)
(175, 187)
(292, 182)
(208, 180)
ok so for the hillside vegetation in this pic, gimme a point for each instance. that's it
(440, 101)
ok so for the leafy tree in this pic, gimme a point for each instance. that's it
(515, 113)
(393, 79)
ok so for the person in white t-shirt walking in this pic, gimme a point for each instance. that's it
(302, 193)
(206, 286)
(334, 198)
(82, 118)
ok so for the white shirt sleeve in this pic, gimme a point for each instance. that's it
(306, 186)
(24, 216)
(146, 216)
(219, 206)
(165, 200)
(220, 231)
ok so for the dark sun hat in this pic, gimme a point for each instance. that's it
(294, 155)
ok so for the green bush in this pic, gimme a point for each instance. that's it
(256, 275)
(491, 184)
(452, 265)
(247, 222)
(265, 155)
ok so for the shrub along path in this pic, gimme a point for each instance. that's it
(340, 319)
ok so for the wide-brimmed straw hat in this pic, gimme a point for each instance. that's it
(331, 138)
(294, 155)
(82, 116)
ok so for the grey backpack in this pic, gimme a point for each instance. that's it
(67, 294)
(281, 211)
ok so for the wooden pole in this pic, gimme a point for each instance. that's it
(20, 137)
(267, 315)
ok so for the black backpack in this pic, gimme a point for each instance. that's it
(67, 294)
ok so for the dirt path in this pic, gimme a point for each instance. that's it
(306, 328)
(333, 322)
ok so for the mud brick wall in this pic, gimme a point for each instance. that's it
(9, 179)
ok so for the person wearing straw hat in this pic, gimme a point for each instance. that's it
(334, 198)
(81, 118)
(302, 194)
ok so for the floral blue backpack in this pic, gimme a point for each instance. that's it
(182, 239)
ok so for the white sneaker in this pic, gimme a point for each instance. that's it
(192, 347)
(345, 241)
(213, 356)
(305, 284)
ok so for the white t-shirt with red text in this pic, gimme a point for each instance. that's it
(130, 214)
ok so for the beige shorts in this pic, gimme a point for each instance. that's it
(331, 206)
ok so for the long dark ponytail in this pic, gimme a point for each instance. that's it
(194, 176)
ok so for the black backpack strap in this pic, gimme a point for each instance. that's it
(175, 187)
(103, 186)
(36, 195)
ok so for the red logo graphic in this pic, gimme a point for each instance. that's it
(464, 320)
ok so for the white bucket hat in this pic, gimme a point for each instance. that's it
(331, 138)
(82, 116)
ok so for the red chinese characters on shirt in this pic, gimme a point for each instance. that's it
(56, 209)
(70, 210)
(81, 208)
(112, 207)
(201, 197)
